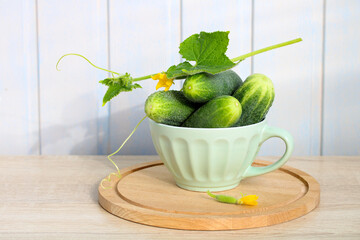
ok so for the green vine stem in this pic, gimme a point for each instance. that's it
(242, 57)
(143, 78)
(237, 59)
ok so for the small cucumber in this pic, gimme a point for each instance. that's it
(170, 107)
(256, 96)
(203, 87)
(220, 112)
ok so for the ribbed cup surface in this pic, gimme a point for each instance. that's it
(203, 159)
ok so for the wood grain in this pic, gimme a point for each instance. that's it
(56, 196)
(147, 194)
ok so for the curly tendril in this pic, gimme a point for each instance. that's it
(118, 174)
(75, 54)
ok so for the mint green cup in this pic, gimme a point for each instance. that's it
(215, 159)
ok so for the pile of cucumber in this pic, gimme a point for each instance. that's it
(213, 101)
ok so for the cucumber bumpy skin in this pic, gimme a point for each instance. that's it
(170, 107)
(220, 112)
(256, 96)
(203, 87)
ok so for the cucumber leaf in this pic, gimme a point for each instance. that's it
(117, 85)
(207, 50)
(178, 70)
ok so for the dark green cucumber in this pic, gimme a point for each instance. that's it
(170, 107)
(220, 112)
(203, 87)
(256, 96)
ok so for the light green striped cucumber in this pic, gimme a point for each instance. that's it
(170, 107)
(256, 96)
(203, 87)
(220, 112)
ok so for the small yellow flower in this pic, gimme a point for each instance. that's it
(163, 81)
(248, 200)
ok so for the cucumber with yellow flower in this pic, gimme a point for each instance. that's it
(205, 99)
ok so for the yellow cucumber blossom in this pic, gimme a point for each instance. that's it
(163, 81)
(248, 200)
(245, 200)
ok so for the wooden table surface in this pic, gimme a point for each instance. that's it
(55, 197)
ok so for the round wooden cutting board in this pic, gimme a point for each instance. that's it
(148, 194)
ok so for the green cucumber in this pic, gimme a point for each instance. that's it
(170, 107)
(203, 87)
(256, 96)
(220, 112)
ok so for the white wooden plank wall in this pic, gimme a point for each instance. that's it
(19, 111)
(144, 39)
(341, 121)
(44, 111)
(295, 70)
(70, 99)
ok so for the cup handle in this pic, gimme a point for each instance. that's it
(267, 133)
